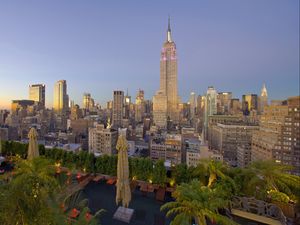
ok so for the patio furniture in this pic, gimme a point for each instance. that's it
(123, 214)
(150, 188)
(74, 213)
(160, 194)
(98, 178)
(111, 180)
(144, 189)
(133, 185)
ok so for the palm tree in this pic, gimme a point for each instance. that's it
(199, 204)
(32, 185)
(269, 175)
(214, 170)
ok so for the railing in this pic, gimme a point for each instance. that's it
(258, 207)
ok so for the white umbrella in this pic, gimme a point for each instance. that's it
(33, 148)
(123, 188)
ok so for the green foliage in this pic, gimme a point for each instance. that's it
(262, 176)
(159, 173)
(255, 180)
(182, 174)
(278, 196)
(198, 202)
(33, 185)
(89, 163)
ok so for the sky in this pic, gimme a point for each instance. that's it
(101, 46)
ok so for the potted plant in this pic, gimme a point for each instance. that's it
(283, 201)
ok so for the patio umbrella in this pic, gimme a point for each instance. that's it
(33, 148)
(123, 188)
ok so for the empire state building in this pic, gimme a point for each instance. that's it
(166, 99)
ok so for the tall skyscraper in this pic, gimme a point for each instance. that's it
(263, 99)
(166, 100)
(210, 106)
(249, 103)
(127, 106)
(139, 106)
(223, 102)
(61, 99)
(88, 101)
(118, 103)
(193, 104)
(37, 93)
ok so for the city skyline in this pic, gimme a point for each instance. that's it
(257, 49)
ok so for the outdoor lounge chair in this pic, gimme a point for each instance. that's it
(160, 194)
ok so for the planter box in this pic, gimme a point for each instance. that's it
(288, 209)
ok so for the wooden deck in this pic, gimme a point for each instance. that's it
(255, 217)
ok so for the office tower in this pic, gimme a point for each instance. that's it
(166, 99)
(235, 106)
(127, 106)
(109, 104)
(249, 103)
(37, 93)
(76, 112)
(139, 106)
(223, 102)
(118, 103)
(278, 137)
(18, 106)
(102, 140)
(226, 137)
(88, 101)
(61, 99)
(168, 148)
(193, 105)
(210, 107)
(263, 99)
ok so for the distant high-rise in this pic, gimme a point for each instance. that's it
(139, 106)
(223, 102)
(193, 104)
(249, 103)
(37, 93)
(88, 101)
(263, 99)
(166, 100)
(278, 137)
(61, 99)
(118, 103)
(127, 106)
(210, 106)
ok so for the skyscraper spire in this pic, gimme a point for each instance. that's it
(169, 38)
(264, 91)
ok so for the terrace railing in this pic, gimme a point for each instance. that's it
(259, 208)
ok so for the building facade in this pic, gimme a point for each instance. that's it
(139, 106)
(166, 99)
(223, 102)
(226, 137)
(102, 140)
(37, 93)
(117, 110)
(278, 137)
(61, 99)
(210, 108)
(263, 99)
(168, 148)
(249, 103)
(88, 101)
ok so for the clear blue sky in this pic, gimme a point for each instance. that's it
(99, 46)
